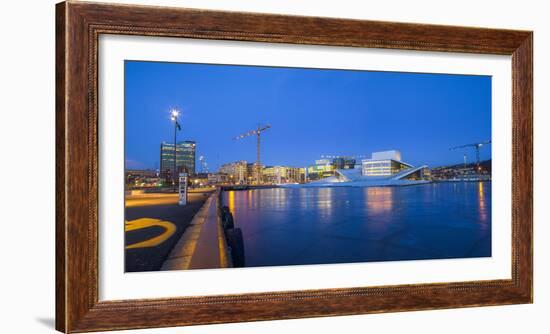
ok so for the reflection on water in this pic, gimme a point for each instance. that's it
(231, 202)
(482, 209)
(379, 199)
(324, 201)
(283, 226)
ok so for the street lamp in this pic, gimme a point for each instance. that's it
(174, 117)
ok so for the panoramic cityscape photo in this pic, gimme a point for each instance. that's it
(232, 166)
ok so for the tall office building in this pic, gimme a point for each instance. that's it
(185, 159)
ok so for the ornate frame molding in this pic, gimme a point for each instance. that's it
(78, 27)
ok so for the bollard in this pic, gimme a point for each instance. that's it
(236, 244)
(227, 221)
(233, 236)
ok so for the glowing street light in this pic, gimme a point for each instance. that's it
(174, 117)
(174, 114)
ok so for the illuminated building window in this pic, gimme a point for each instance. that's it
(383, 167)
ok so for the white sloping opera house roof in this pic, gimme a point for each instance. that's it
(354, 178)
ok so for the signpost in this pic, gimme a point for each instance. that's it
(183, 189)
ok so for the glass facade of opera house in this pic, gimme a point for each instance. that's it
(383, 167)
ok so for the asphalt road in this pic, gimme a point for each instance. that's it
(154, 224)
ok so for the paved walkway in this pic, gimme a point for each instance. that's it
(202, 246)
(154, 224)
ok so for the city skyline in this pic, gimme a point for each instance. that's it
(314, 112)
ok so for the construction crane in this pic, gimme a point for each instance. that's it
(258, 131)
(477, 146)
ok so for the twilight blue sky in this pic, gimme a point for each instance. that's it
(312, 112)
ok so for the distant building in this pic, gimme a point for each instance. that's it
(217, 178)
(141, 177)
(199, 180)
(322, 168)
(251, 172)
(383, 169)
(343, 163)
(392, 154)
(463, 172)
(327, 165)
(283, 174)
(236, 171)
(384, 164)
(185, 159)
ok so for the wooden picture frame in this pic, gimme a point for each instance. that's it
(78, 26)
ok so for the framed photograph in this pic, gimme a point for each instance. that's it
(222, 166)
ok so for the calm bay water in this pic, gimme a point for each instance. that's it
(292, 226)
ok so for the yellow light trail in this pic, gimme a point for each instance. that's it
(138, 224)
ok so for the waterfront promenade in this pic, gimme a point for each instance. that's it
(154, 224)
